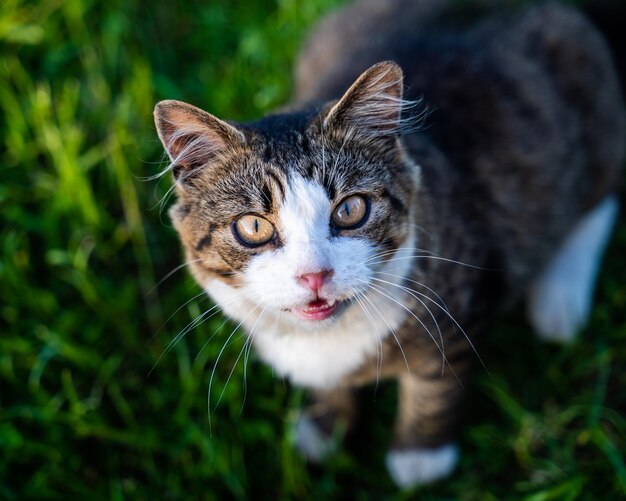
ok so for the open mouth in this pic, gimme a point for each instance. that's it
(319, 309)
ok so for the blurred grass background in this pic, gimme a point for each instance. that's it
(84, 242)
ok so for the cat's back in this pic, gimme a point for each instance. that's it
(485, 69)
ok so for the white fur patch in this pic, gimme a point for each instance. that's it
(412, 467)
(315, 354)
(560, 300)
(311, 441)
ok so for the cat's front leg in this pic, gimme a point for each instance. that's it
(423, 448)
(322, 425)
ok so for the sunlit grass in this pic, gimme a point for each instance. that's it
(83, 243)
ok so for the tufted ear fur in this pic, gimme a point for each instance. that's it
(373, 104)
(193, 138)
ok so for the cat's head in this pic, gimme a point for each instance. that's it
(292, 216)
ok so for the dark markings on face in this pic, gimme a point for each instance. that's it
(183, 211)
(267, 152)
(305, 145)
(206, 240)
(329, 186)
(222, 272)
(278, 183)
(309, 170)
(267, 198)
(389, 244)
(227, 261)
(395, 202)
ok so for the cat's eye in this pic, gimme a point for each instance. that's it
(351, 212)
(253, 230)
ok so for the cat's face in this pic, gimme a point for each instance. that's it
(291, 217)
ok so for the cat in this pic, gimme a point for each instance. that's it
(371, 229)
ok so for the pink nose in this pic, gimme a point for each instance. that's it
(314, 281)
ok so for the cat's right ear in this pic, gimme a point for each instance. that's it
(373, 104)
(192, 137)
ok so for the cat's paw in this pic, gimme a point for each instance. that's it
(311, 441)
(411, 467)
(560, 301)
(558, 311)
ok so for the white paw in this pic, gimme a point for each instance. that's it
(560, 301)
(558, 311)
(411, 467)
(312, 442)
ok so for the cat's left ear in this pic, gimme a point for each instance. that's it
(373, 104)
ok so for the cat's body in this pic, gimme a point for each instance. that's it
(506, 191)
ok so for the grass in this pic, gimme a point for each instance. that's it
(84, 242)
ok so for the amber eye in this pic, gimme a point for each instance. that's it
(351, 212)
(253, 230)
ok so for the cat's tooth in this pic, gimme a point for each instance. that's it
(331, 302)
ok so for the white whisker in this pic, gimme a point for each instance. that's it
(379, 352)
(393, 332)
(443, 308)
(395, 251)
(378, 289)
(199, 319)
(415, 282)
(202, 293)
(178, 268)
(218, 359)
(230, 375)
(249, 341)
(422, 256)
(431, 316)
